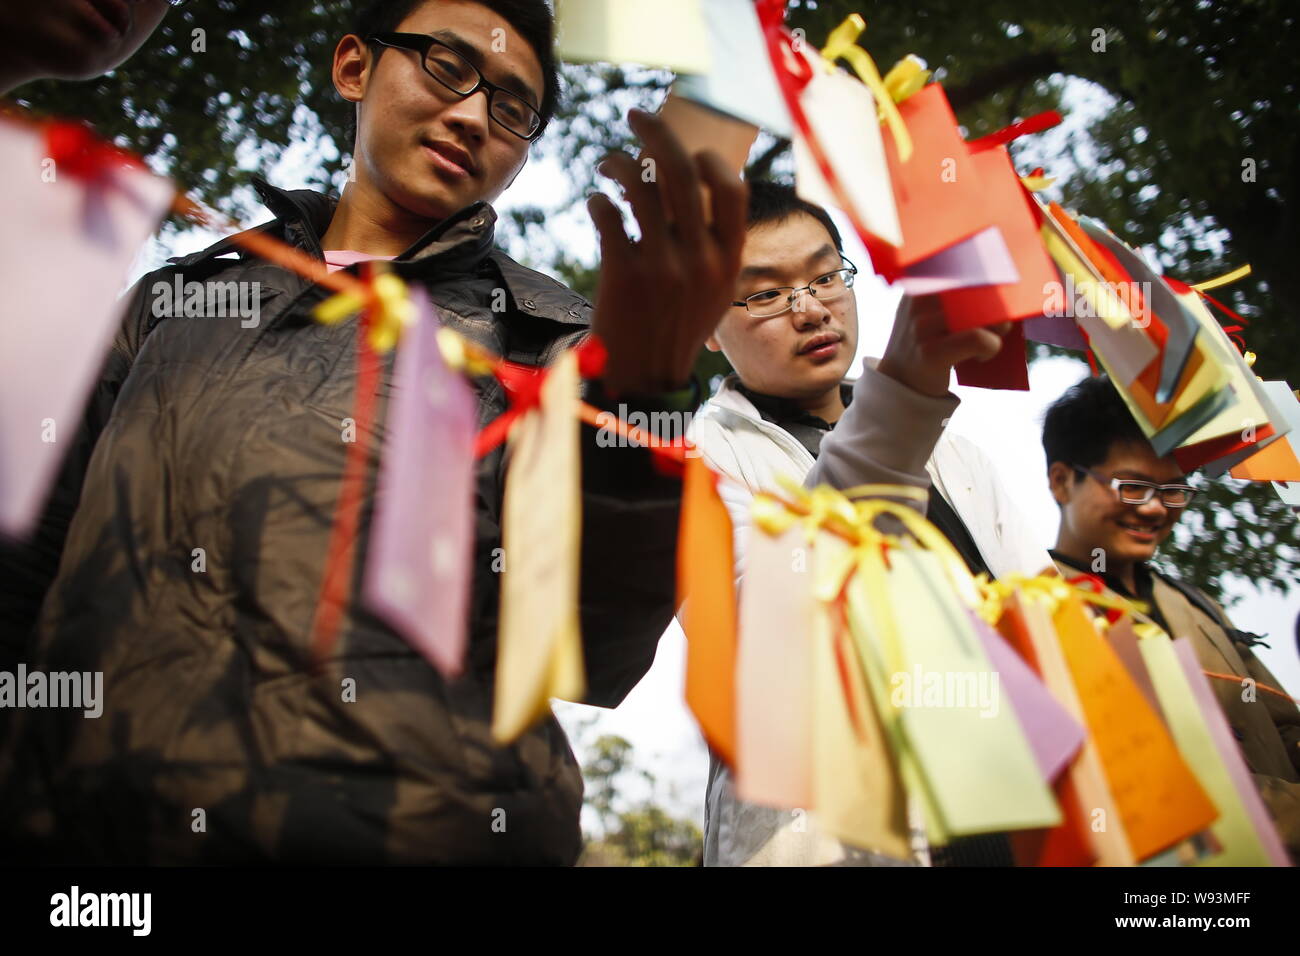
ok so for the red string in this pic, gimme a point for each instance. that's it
(523, 385)
(340, 552)
(1034, 124)
(771, 16)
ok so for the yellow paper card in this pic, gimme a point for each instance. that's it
(1124, 349)
(868, 600)
(539, 649)
(973, 755)
(857, 792)
(669, 33)
(1234, 830)
(1249, 409)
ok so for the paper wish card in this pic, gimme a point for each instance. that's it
(858, 793)
(975, 761)
(842, 114)
(741, 81)
(706, 596)
(982, 261)
(1158, 797)
(1054, 736)
(1243, 829)
(1016, 218)
(1249, 417)
(666, 33)
(1180, 328)
(539, 652)
(56, 333)
(422, 545)
(774, 672)
(1280, 460)
(938, 192)
(1122, 348)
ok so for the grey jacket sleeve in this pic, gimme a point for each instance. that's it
(885, 436)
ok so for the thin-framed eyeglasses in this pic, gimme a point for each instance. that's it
(1133, 491)
(825, 288)
(463, 78)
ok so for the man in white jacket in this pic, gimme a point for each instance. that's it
(791, 335)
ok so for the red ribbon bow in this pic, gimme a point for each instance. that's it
(76, 149)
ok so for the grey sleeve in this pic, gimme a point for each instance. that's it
(885, 436)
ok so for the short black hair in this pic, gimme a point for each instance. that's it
(1082, 426)
(777, 202)
(533, 20)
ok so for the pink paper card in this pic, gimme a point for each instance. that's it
(65, 250)
(774, 672)
(983, 259)
(422, 544)
(1054, 736)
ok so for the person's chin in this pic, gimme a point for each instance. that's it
(1131, 547)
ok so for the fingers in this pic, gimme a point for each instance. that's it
(675, 176)
(728, 202)
(609, 224)
(978, 345)
(641, 194)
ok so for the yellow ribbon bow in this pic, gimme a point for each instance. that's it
(389, 305)
(1048, 589)
(843, 43)
(909, 75)
(463, 355)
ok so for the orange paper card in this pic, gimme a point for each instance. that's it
(937, 191)
(706, 595)
(1158, 797)
(1012, 211)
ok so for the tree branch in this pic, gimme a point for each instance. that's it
(1021, 70)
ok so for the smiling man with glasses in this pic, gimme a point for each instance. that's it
(1119, 502)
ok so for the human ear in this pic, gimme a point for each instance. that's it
(1061, 478)
(351, 68)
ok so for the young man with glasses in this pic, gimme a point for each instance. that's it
(791, 334)
(1119, 501)
(208, 434)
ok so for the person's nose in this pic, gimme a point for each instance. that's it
(808, 311)
(1154, 510)
(469, 116)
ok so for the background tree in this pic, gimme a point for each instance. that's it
(1195, 156)
(629, 832)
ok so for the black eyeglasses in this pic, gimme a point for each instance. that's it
(1132, 491)
(770, 302)
(460, 76)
